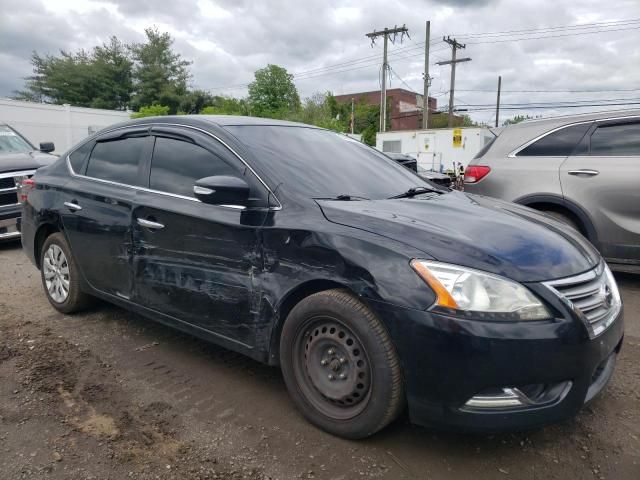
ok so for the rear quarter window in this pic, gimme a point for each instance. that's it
(78, 158)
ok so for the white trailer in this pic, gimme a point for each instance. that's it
(63, 125)
(436, 149)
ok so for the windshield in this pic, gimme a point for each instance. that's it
(323, 164)
(11, 142)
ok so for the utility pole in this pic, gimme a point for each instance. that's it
(455, 46)
(498, 101)
(427, 80)
(353, 116)
(383, 91)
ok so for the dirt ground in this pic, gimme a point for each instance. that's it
(109, 395)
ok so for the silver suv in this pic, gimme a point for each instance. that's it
(584, 170)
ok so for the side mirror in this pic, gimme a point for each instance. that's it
(47, 147)
(222, 190)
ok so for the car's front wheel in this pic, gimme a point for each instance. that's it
(340, 366)
(60, 275)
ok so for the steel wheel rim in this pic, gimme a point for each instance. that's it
(332, 368)
(55, 270)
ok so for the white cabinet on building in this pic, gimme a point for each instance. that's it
(436, 149)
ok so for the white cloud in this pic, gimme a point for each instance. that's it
(227, 40)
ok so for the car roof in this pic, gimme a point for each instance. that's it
(514, 136)
(580, 117)
(205, 120)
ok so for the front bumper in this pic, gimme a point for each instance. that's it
(448, 361)
(9, 226)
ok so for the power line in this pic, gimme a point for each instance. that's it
(553, 91)
(528, 104)
(552, 36)
(538, 107)
(402, 81)
(612, 23)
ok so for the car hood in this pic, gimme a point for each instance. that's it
(473, 231)
(12, 162)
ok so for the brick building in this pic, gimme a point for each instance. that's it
(404, 107)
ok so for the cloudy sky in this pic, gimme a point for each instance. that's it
(323, 42)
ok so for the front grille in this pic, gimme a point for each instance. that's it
(8, 186)
(591, 296)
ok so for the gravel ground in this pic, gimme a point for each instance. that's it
(109, 395)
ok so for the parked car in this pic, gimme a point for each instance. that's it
(18, 161)
(582, 169)
(435, 177)
(412, 164)
(299, 247)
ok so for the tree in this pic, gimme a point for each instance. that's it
(99, 79)
(154, 110)
(160, 75)
(195, 101)
(112, 66)
(317, 110)
(227, 106)
(272, 93)
(67, 78)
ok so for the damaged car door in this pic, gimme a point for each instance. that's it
(98, 201)
(195, 262)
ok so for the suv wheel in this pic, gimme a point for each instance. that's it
(60, 276)
(340, 366)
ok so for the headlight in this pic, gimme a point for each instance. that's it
(478, 294)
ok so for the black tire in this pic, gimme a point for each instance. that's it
(332, 333)
(75, 299)
(563, 218)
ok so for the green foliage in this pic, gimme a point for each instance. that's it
(227, 106)
(517, 119)
(160, 75)
(195, 101)
(272, 93)
(97, 79)
(317, 110)
(154, 110)
(441, 120)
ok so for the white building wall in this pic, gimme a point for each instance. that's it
(436, 147)
(61, 124)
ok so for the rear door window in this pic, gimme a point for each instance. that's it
(616, 140)
(560, 143)
(176, 165)
(118, 160)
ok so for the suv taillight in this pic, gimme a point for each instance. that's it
(24, 187)
(475, 173)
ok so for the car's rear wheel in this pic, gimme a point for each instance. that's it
(340, 366)
(60, 276)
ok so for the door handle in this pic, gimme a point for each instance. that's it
(584, 171)
(149, 224)
(73, 206)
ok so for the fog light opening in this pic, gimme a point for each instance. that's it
(534, 395)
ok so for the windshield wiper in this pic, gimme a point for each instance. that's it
(345, 197)
(412, 192)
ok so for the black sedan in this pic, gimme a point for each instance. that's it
(371, 288)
